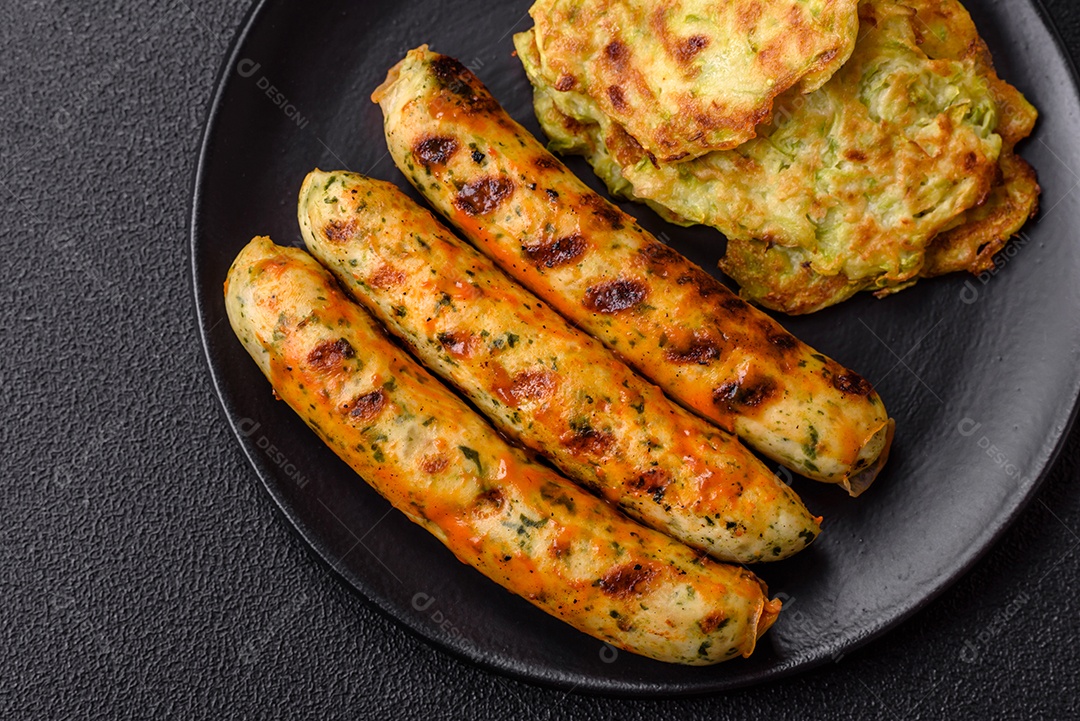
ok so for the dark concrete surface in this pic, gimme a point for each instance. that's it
(145, 572)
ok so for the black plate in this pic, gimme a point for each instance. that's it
(982, 378)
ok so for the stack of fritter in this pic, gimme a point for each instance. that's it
(828, 174)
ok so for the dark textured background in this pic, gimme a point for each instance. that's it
(146, 573)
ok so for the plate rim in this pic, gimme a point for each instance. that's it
(592, 687)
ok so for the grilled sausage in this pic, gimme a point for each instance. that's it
(669, 319)
(516, 521)
(549, 385)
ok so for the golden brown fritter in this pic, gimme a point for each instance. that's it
(982, 232)
(685, 77)
(891, 171)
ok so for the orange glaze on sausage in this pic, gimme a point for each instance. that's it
(545, 383)
(447, 470)
(665, 316)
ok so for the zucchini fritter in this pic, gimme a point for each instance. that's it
(851, 187)
(948, 32)
(684, 77)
